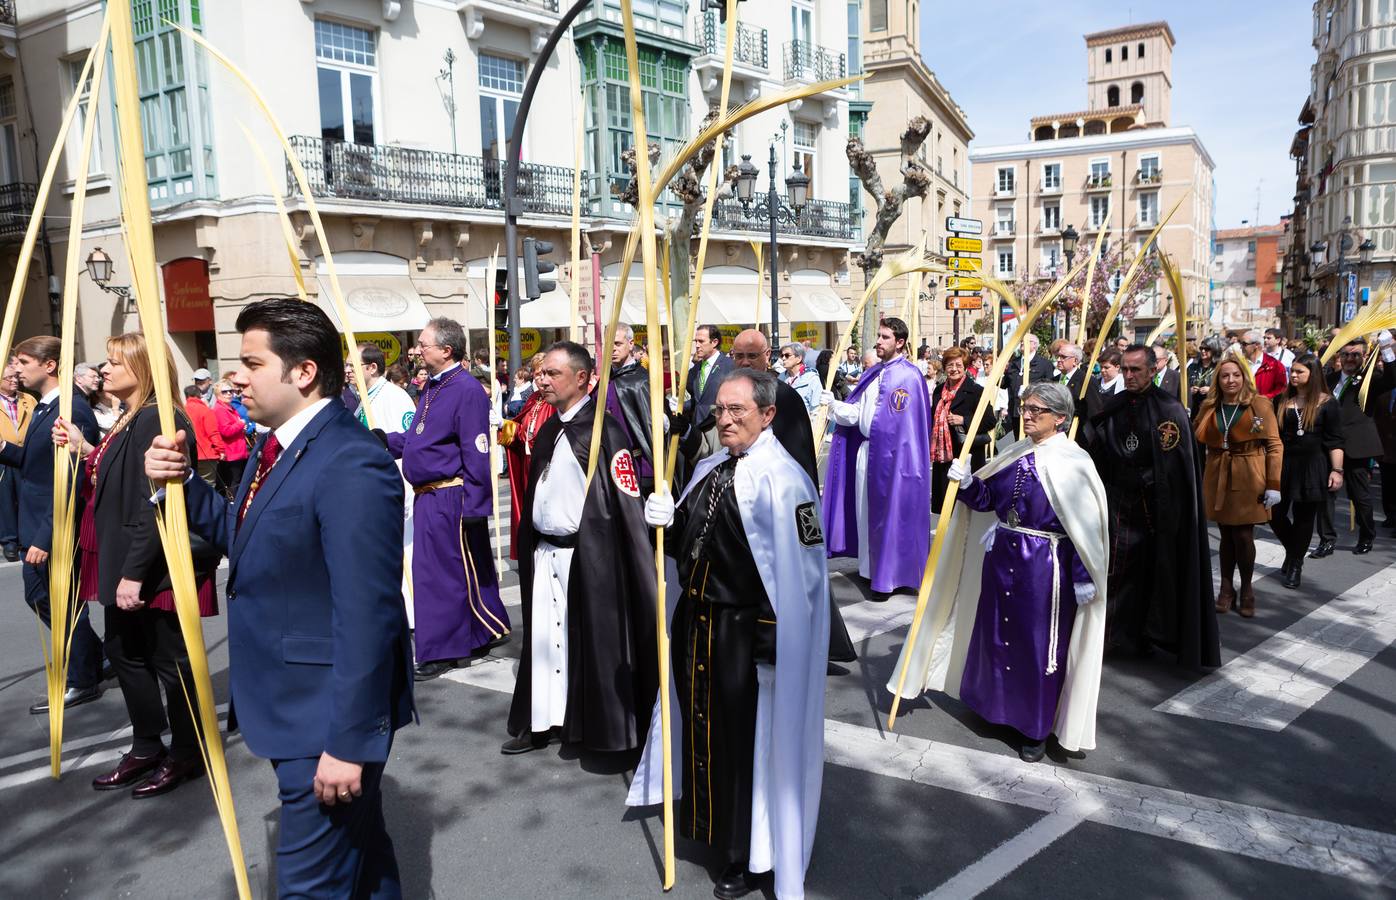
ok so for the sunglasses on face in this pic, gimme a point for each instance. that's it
(1033, 410)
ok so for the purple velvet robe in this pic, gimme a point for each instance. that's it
(1005, 678)
(455, 590)
(899, 478)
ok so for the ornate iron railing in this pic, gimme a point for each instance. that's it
(385, 174)
(16, 203)
(818, 218)
(812, 62)
(750, 46)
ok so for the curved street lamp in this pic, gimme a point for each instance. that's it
(100, 268)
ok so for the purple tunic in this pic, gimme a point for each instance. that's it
(899, 479)
(455, 590)
(1005, 678)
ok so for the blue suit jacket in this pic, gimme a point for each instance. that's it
(34, 460)
(317, 629)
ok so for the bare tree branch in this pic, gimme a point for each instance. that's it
(916, 182)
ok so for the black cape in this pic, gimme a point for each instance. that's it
(793, 430)
(629, 401)
(1174, 591)
(612, 666)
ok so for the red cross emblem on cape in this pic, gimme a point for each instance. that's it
(623, 473)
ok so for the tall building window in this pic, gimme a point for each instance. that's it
(1100, 210)
(666, 12)
(855, 46)
(1004, 184)
(1136, 93)
(802, 24)
(1148, 169)
(1140, 54)
(175, 109)
(1124, 53)
(1051, 258)
(347, 72)
(1052, 177)
(1112, 95)
(73, 71)
(501, 88)
(1148, 208)
(877, 15)
(1052, 217)
(1005, 262)
(1100, 171)
(1003, 220)
(9, 132)
(804, 139)
(1107, 55)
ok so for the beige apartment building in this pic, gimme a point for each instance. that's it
(899, 87)
(1118, 164)
(399, 113)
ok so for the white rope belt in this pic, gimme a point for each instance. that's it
(1052, 632)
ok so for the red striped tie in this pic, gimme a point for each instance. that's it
(271, 449)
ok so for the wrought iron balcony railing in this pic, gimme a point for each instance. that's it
(385, 174)
(750, 45)
(818, 218)
(16, 203)
(812, 62)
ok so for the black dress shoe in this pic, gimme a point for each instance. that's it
(71, 697)
(1324, 548)
(1293, 576)
(429, 670)
(524, 743)
(735, 882)
(879, 597)
(11, 554)
(127, 772)
(1362, 547)
(1032, 751)
(170, 774)
(484, 649)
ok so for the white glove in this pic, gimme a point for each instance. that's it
(960, 472)
(496, 419)
(659, 510)
(673, 404)
(1271, 498)
(1384, 338)
(1085, 593)
(826, 398)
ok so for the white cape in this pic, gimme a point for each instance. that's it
(772, 493)
(937, 660)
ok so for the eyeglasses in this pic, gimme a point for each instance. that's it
(787, 356)
(736, 413)
(420, 346)
(1033, 410)
(225, 391)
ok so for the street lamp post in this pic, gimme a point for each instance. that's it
(99, 269)
(1069, 241)
(775, 212)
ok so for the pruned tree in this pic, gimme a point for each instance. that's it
(916, 182)
(679, 227)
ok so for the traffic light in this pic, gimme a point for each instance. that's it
(534, 286)
(501, 300)
(720, 6)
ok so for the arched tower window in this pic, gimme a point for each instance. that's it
(1136, 92)
(1112, 95)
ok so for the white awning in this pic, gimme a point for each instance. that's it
(815, 303)
(379, 302)
(736, 304)
(552, 310)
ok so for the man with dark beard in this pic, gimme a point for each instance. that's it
(1160, 583)
(586, 576)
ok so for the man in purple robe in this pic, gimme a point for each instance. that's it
(877, 489)
(446, 458)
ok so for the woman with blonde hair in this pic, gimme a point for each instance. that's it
(123, 567)
(1241, 482)
(234, 433)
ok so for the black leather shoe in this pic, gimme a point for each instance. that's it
(127, 772)
(170, 775)
(430, 670)
(11, 554)
(1032, 751)
(1324, 548)
(71, 697)
(879, 597)
(1295, 574)
(735, 882)
(524, 743)
(1362, 547)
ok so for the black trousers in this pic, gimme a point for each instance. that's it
(9, 507)
(230, 475)
(1357, 482)
(1293, 524)
(1388, 492)
(85, 661)
(147, 652)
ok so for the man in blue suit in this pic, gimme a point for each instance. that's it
(320, 665)
(710, 366)
(36, 361)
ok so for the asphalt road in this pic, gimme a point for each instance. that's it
(1271, 778)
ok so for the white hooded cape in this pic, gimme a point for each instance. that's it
(937, 660)
(772, 491)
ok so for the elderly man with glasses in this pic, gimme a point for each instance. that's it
(1268, 372)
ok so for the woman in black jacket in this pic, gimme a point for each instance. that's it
(123, 567)
(952, 406)
(1311, 428)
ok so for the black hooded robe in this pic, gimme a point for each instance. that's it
(613, 669)
(1160, 587)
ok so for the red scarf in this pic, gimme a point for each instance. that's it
(941, 448)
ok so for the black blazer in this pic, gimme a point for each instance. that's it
(1361, 440)
(1169, 383)
(128, 542)
(34, 460)
(700, 406)
(965, 403)
(1039, 370)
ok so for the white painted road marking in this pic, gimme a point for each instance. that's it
(1000, 862)
(1272, 685)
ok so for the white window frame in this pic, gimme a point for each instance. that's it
(799, 9)
(1003, 220)
(1148, 216)
(9, 138)
(1002, 254)
(1149, 158)
(72, 68)
(1047, 226)
(806, 154)
(499, 95)
(1099, 161)
(1099, 200)
(346, 70)
(1055, 188)
(1012, 181)
(1051, 255)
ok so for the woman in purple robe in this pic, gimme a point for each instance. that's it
(1028, 621)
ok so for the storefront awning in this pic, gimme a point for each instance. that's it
(380, 302)
(815, 303)
(720, 304)
(552, 310)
